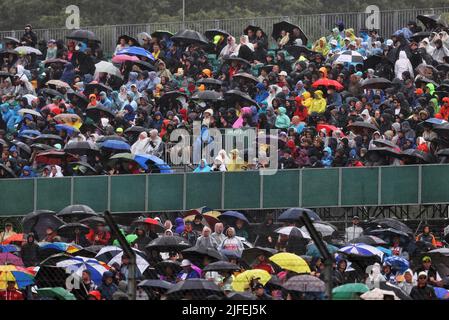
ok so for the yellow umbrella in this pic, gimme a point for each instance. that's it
(242, 281)
(69, 119)
(210, 218)
(291, 262)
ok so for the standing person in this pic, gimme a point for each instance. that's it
(422, 291)
(29, 252)
(99, 236)
(189, 234)
(206, 239)
(266, 235)
(29, 38)
(218, 235)
(427, 237)
(353, 231)
(8, 232)
(11, 293)
(232, 243)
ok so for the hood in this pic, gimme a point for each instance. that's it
(282, 111)
(306, 95)
(179, 222)
(402, 55)
(133, 76)
(328, 150)
(323, 70)
(319, 94)
(431, 87)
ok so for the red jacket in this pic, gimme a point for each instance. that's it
(301, 111)
(103, 238)
(11, 295)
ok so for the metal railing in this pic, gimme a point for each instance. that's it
(314, 25)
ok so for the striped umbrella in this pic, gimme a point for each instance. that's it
(360, 249)
(21, 276)
(77, 265)
(349, 57)
(112, 254)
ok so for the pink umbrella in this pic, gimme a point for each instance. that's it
(8, 258)
(197, 269)
(121, 58)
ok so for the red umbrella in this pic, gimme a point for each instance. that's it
(55, 157)
(18, 237)
(150, 221)
(325, 82)
(329, 128)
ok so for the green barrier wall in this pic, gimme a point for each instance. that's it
(310, 188)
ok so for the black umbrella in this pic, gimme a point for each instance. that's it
(197, 254)
(69, 230)
(77, 211)
(419, 36)
(210, 81)
(160, 34)
(372, 61)
(81, 147)
(78, 99)
(188, 36)
(294, 214)
(90, 251)
(8, 173)
(401, 294)
(240, 296)
(99, 111)
(143, 65)
(42, 147)
(11, 39)
(55, 61)
(443, 153)
(168, 244)
(419, 80)
(135, 130)
(115, 137)
(388, 233)
(222, 266)
(391, 223)
(442, 129)
(443, 87)
(376, 83)
(211, 33)
(93, 221)
(50, 276)
(384, 143)
(156, 284)
(83, 35)
(360, 126)
(91, 87)
(268, 68)
(243, 62)
(51, 92)
(206, 95)
(199, 288)
(24, 149)
(250, 254)
(419, 156)
(38, 222)
(162, 266)
(431, 21)
(239, 95)
(369, 240)
(297, 51)
(385, 152)
(246, 76)
(48, 138)
(443, 67)
(171, 96)
(288, 27)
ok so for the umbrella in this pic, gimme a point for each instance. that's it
(122, 157)
(294, 214)
(143, 36)
(135, 130)
(369, 240)
(58, 83)
(251, 254)
(240, 61)
(162, 266)
(443, 67)
(78, 99)
(168, 244)
(171, 96)
(206, 95)
(54, 157)
(288, 27)
(17, 238)
(419, 80)
(95, 113)
(57, 293)
(419, 156)
(77, 211)
(240, 96)
(350, 291)
(199, 288)
(297, 51)
(7, 172)
(398, 263)
(137, 51)
(392, 223)
(291, 262)
(116, 145)
(24, 149)
(68, 230)
(388, 286)
(239, 296)
(38, 222)
(143, 65)
(9, 258)
(349, 56)
(91, 87)
(197, 254)
(233, 216)
(360, 249)
(209, 218)
(152, 163)
(9, 248)
(385, 143)
(360, 126)
(441, 293)
(31, 112)
(66, 128)
(388, 233)
(326, 229)
(221, 266)
(78, 264)
(378, 294)
(293, 232)
(325, 82)
(209, 81)
(83, 167)
(305, 283)
(127, 39)
(386, 152)
(48, 138)
(56, 61)
(69, 119)
(11, 39)
(156, 284)
(149, 222)
(161, 34)
(312, 250)
(419, 36)
(246, 76)
(81, 147)
(109, 68)
(21, 276)
(376, 83)
(431, 21)
(211, 33)
(113, 254)
(48, 249)
(27, 50)
(188, 36)
(124, 58)
(83, 35)
(242, 281)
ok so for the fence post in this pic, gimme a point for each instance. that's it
(323, 24)
(35, 194)
(379, 187)
(340, 185)
(223, 179)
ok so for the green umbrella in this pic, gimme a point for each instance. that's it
(55, 293)
(350, 291)
(313, 251)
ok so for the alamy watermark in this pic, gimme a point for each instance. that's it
(73, 20)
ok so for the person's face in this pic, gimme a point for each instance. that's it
(259, 291)
(85, 277)
(206, 233)
(427, 265)
(422, 280)
(11, 285)
(408, 277)
(250, 33)
(426, 230)
(8, 228)
(188, 227)
(108, 281)
(125, 260)
(261, 258)
(49, 231)
(239, 224)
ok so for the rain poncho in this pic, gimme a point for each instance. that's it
(327, 158)
(402, 65)
(141, 145)
(282, 120)
(318, 104)
(321, 47)
(203, 167)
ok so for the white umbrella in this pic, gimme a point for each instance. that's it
(30, 111)
(293, 232)
(349, 57)
(378, 294)
(30, 98)
(107, 67)
(27, 50)
(325, 229)
(116, 253)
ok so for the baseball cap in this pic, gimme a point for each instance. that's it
(426, 259)
(334, 42)
(356, 218)
(422, 274)
(185, 263)
(119, 130)
(283, 73)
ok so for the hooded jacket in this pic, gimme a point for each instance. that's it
(327, 157)
(307, 100)
(318, 104)
(107, 290)
(179, 225)
(402, 65)
(282, 120)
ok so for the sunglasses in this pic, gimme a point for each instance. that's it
(422, 277)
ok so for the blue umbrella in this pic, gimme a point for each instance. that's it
(397, 263)
(8, 248)
(441, 293)
(296, 213)
(144, 159)
(233, 215)
(435, 121)
(386, 251)
(31, 133)
(313, 251)
(137, 51)
(116, 145)
(360, 249)
(66, 128)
